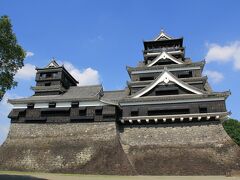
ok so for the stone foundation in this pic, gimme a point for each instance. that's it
(186, 149)
(101, 148)
(70, 148)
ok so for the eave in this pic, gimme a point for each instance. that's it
(51, 99)
(191, 80)
(173, 118)
(48, 88)
(160, 68)
(163, 41)
(169, 99)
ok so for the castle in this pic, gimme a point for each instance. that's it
(167, 121)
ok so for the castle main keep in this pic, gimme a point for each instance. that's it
(167, 121)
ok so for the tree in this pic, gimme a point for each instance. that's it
(232, 127)
(11, 56)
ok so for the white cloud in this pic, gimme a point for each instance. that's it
(5, 109)
(227, 53)
(4, 129)
(4, 106)
(27, 72)
(214, 76)
(29, 54)
(87, 76)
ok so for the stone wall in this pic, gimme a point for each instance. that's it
(186, 149)
(73, 147)
(103, 148)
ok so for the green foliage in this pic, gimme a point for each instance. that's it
(232, 127)
(11, 56)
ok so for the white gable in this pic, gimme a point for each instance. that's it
(164, 55)
(166, 77)
(52, 64)
(162, 35)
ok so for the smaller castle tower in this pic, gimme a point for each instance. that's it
(53, 80)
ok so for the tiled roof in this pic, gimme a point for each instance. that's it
(114, 96)
(159, 67)
(74, 93)
(176, 97)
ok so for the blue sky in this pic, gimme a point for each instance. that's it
(97, 39)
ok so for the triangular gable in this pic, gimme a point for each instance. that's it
(166, 77)
(164, 55)
(163, 35)
(52, 64)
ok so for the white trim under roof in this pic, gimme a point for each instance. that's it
(91, 103)
(60, 104)
(166, 77)
(171, 101)
(63, 104)
(41, 105)
(19, 106)
(162, 35)
(164, 55)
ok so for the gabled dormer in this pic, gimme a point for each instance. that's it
(164, 58)
(167, 84)
(53, 79)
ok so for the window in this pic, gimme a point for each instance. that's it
(146, 78)
(134, 113)
(151, 58)
(82, 112)
(54, 75)
(166, 92)
(185, 74)
(43, 75)
(48, 75)
(98, 112)
(203, 110)
(22, 114)
(52, 105)
(75, 104)
(168, 112)
(48, 84)
(30, 106)
(166, 62)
